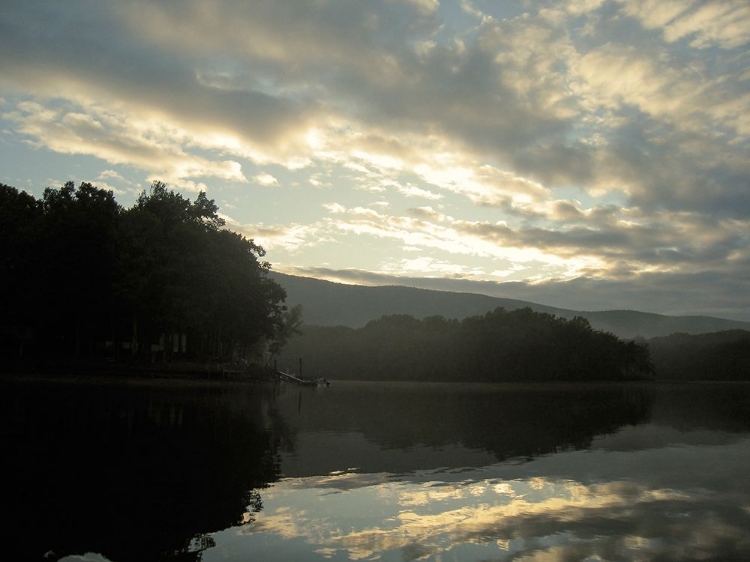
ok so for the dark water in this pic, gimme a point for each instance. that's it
(147, 471)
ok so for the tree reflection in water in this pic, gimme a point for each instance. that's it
(152, 471)
(506, 421)
(136, 472)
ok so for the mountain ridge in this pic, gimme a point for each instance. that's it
(327, 303)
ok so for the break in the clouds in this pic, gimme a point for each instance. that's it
(587, 154)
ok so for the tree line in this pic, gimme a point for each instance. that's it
(720, 356)
(81, 276)
(499, 346)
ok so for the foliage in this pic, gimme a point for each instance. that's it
(722, 355)
(20, 215)
(290, 326)
(79, 271)
(499, 346)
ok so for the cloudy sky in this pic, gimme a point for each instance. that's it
(591, 154)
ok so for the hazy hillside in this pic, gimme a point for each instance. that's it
(329, 304)
(717, 356)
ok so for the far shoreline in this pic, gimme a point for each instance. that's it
(131, 375)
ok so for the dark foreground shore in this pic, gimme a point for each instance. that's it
(177, 370)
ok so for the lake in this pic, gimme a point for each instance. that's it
(138, 471)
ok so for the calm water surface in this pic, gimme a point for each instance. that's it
(141, 471)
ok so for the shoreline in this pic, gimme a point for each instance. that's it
(118, 371)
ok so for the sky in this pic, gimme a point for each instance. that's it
(590, 155)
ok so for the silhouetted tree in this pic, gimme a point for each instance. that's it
(78, 270)
(291, 325)
(721, 355)
(76, 255)
(20, 273)
(499, 346)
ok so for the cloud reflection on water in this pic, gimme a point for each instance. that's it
(521, 511)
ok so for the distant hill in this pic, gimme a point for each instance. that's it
(326, 303)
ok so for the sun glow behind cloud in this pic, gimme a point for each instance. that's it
(554, 141)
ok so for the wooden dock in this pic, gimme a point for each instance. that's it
(289, 377)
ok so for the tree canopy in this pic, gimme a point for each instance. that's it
(499, 346)
(81, 275)
(722, 356)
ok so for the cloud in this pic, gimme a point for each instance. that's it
(558, 140)
(516, 89)
(603, 243)
(387, 80)
(431, 267)
(266, 179)
(291, 238)
(559, 513)
(414, 191)
(725, 24)
(119, 138)
(139, 80)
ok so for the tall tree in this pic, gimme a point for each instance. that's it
(189, 275)
(77, 255)
(20, 275)
(79, 270)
